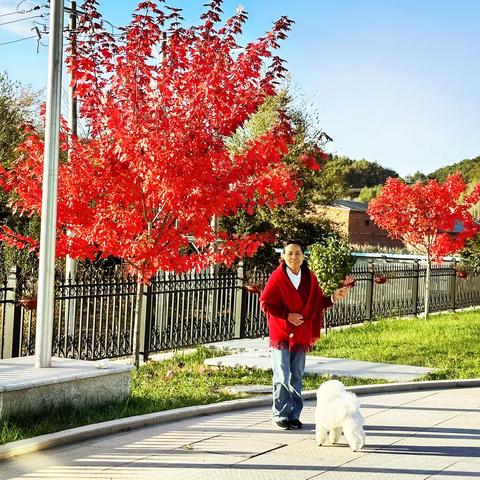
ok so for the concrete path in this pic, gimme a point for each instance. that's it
(255, 353)
(410, 435)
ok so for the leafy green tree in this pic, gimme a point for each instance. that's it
(469, 168)
(369, 193)
(362, 173)
(321, 181)
(416, 177)
(471, 254)
(331, 260)
(356, 174)
(17, 104)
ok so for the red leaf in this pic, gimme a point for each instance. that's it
(156, 168)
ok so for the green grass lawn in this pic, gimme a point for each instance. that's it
(180, 382)
(449, 343)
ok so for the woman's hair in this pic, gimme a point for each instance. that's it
(294, 241)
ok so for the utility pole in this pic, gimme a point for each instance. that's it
(70, 264)
(72, 113)
(46, 274)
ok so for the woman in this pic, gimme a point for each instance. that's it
(293, 302)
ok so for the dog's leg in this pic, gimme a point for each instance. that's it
(320, 435)
(334, 435)
(361, 439)
(355, 436)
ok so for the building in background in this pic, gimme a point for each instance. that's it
(353, 221)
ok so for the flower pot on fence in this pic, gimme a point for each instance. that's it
(380, 279)
(28, 303)
(461, 273)
(253, 288)
(349, 281)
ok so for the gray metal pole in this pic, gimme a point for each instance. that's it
(72, 113)
(46, 274)
(70, 264)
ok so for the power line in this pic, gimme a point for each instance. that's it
(78, 13)
(39, 33)
(38, 36)
(22, 12)
(22, 19)
(19, 40)
(9, 13)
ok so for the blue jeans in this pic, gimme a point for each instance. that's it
(288, 368)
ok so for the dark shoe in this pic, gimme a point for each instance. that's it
(283, 424)
(295, 424)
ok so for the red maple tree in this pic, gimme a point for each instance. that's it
(432, 217)
(159, 102)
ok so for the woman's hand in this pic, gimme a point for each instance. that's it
(340, 293)
(295, 319)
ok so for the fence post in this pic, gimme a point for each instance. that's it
(369, 294)
(239, 302)
(453, 286)
(146, 323)
(70, 303)
(416, 268)
(12, 318)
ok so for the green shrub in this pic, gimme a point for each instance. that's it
(331, 260)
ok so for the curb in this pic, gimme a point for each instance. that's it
(43, 442)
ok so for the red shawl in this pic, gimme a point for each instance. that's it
(280, 292)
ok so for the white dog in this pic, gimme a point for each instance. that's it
(337, 410)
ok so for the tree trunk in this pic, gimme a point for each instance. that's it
(136, 325)
(138, 314)
(427, 288)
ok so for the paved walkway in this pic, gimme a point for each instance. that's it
(255, 353)
(431, 435)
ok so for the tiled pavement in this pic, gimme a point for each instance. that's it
(411, 435)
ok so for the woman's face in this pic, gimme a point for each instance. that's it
(293, 256)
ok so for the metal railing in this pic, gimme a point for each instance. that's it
(94, 316)
(190, 309)
(398, 289)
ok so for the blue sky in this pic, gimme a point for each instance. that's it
(392, 81)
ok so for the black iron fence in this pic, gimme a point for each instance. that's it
(389, 290)
(95, 314)
(191, 309)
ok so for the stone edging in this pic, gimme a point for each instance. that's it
(43, 442)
